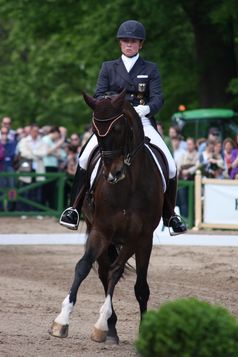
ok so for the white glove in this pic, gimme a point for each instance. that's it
(142, 110)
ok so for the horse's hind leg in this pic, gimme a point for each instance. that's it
(94, 248)
(104, 262)
(142, 291)
(101, 327)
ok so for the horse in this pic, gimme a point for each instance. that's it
(127, 207)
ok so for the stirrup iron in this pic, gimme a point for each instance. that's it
(70, 225)
(171, 232)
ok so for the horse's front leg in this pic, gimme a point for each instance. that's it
(94, 248)
(142, 291)
(101, 327)
(104, 263)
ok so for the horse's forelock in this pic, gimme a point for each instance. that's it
(106, 109)
(109, 107)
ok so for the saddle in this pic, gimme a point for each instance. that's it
(93, 160)
(160, 159)
(154, 151)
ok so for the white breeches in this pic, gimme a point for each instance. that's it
(150, 132)
(157, 140)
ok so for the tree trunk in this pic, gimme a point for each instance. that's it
(215, 51)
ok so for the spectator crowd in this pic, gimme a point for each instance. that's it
(216, 158)
(40, 150)
(49, 149)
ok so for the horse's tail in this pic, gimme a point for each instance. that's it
(113, 252)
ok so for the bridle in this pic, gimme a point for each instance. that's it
(128, 155)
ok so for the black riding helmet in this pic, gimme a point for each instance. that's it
(131, 29)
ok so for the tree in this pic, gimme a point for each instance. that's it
(215, 49)
(51, 50)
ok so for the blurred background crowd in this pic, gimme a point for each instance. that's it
(216, 157)
(50, 149)
(47, 149)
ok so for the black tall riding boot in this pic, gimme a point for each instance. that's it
(169, 216)
(71, 216)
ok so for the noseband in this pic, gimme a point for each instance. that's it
(111, 154)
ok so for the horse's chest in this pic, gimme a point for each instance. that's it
(123, 223)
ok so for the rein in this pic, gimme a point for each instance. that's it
(110, 154)
(130, 156)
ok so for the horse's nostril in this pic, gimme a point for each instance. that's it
(118, 173)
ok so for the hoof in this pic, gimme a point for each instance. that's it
(58, 330)
(112, 340)
(98, 335)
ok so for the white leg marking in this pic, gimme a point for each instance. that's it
(67, 308)
(105, 313)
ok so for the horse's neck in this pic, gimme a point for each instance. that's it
(138, 131)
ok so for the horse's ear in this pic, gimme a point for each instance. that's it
(90, 101)
(118, 100)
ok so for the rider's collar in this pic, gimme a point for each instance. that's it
(129, 61)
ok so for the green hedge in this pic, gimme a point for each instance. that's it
(188, 328)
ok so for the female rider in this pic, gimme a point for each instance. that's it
(142, 82)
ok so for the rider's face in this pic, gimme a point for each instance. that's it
(130, 46)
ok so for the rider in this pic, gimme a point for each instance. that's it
(142, 82)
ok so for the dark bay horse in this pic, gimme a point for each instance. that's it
(128, 202)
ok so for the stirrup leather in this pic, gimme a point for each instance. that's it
(70, 225)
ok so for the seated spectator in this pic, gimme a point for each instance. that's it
(228, 146)
(178, 152)
(174, 131)
(217, 170)
(188, 164)
(213, 135)
(200, 141)
(217, 157)
(189, 161)
(234, 164)
(205, 156)
(215, 165)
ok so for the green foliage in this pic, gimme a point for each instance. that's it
(188, 328)
(51, 50)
